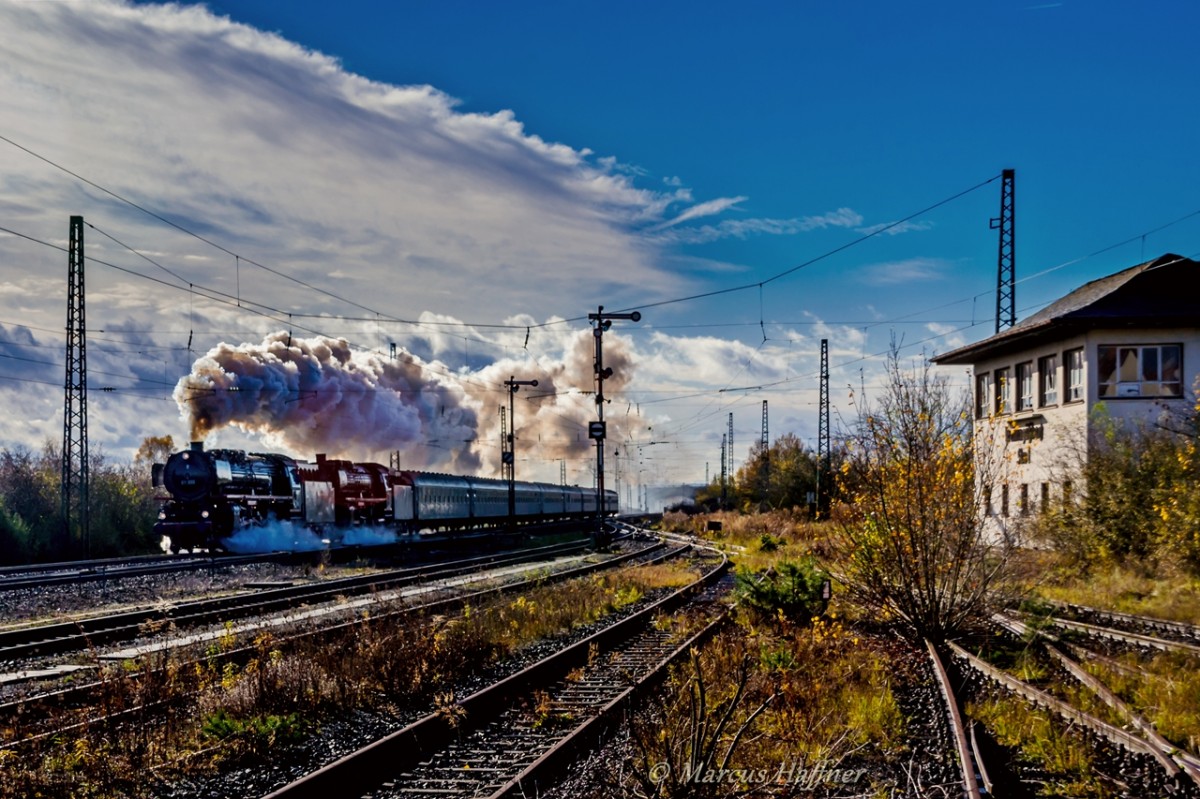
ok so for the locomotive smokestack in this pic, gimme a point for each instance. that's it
(197, 446)
(320, 457)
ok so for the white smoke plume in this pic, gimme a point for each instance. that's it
(316, 395)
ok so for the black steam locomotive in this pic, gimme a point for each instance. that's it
(214, 494)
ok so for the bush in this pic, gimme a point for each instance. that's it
(793, 589)
(910, 543)
(1141, 502)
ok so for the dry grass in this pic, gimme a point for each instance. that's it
(760, 698)
(756, 541)
(1163, 594)
(1164, 688)
(202, 716)
(1044, 743)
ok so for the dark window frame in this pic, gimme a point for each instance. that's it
(1140, 371)
(1002, 391)
(1076, 391)
(1047, 380)
(983, 395)
(1024, 386)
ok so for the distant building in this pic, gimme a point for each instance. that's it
(1129, 342)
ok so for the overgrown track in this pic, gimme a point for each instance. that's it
(970, 762)
(1176, 630)
(1183, 760)
(1144, 631)
(514, 737)
(1147, 760)
(84, 694)
(70, 636)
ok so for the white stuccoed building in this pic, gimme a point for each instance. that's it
(1126, 346)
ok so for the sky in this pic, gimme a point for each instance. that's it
(277, 194)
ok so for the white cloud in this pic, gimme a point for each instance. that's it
(895, 228)
(280, 154)
(909, 270)
(394, 198)
(709, 208)
(743, 228)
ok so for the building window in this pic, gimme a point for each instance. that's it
(1048, 381)
(983, 395)
(1025, 386)
(1045, 506)
(1074, 359)
(1003, 391)
(1023, 500)
(1067, 497)
(1137, 370)
(1004, 500)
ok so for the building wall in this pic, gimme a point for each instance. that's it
(1029, 456)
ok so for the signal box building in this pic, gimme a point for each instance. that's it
(1126, 347)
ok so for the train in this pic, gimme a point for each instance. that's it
(211, 495)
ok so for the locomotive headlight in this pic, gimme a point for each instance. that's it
(203, 514)
(162, 514)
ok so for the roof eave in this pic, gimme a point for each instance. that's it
(997, 344)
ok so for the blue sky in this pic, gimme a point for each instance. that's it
(486, 163)
(805, 107)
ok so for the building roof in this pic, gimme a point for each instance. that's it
(1161, 293)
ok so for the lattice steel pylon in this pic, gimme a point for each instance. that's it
(730, 451)
(76, 525)
(765, 447)
(724, 461)
(823, 476)
(1006, 273)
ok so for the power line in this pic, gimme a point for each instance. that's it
(227, 299)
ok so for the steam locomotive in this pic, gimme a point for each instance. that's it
(213, 494)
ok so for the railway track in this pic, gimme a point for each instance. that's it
(1172, 630)
(88, 571)
(103, 569)
(1183, 760)
(1136, 759)
(83, 693)
(971, 762)
(514, 737)
(1141, 631)
(51, 639)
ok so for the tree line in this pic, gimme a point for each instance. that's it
(122, 509)
(785, 475)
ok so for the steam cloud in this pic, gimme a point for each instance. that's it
(551, 419)
(315, 395)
